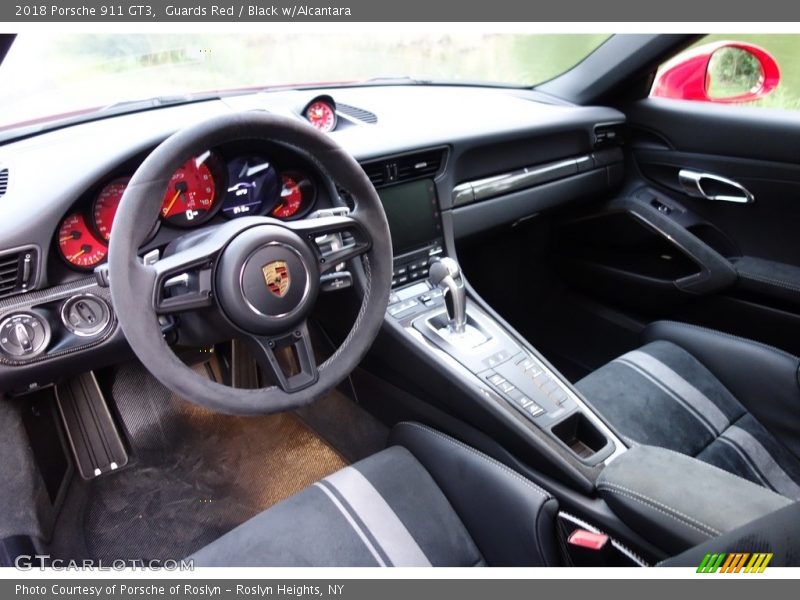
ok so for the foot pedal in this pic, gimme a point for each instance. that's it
(92, 434)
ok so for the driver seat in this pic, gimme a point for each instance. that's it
(426, 500)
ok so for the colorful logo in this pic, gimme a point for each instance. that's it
(735, 562)
(276, 276)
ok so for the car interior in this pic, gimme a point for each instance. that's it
(405, 323)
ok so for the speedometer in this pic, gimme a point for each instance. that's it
(106, 205)
(191, 196)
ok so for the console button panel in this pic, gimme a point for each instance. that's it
(413, 299)
(414, 265)
(54, 322)
(525, 384)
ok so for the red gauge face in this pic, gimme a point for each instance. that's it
(106, 204)
(321, 115)
(297, 195)
(191, 194)
(77, 243)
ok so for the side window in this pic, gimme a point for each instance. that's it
(739, 70)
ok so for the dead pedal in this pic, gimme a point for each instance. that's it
(92, 434)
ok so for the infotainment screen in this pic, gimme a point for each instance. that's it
(413, 214)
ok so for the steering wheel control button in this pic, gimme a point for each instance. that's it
(338, 280)
(85, 315)
(23, 335)
(267, 279)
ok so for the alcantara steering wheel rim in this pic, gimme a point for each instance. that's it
(231, 269)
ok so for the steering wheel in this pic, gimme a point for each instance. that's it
(260, 275)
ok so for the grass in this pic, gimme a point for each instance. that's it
(60, 73)
(785, 48)
(67, 72)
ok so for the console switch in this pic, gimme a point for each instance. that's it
(526, 404)
(513, 395)
(23, 335)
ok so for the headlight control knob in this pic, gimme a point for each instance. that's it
(24, 335)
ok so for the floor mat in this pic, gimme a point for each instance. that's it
(196, 474)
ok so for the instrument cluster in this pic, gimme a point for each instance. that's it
(204, 187)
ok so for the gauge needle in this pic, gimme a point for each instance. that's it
(68, 238)
(77, 254)
(172, 202)
(277, 208)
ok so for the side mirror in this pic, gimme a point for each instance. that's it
(725, 72)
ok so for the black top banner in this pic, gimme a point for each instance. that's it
(730, 11)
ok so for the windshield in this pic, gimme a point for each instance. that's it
(49, 77)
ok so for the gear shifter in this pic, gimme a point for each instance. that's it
(446, 274)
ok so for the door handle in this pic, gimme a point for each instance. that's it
(692, 183)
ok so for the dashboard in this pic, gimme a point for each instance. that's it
(447, 161)
(251, 178)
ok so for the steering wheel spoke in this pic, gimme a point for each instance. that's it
(288, 358)
(335, 239)
(183, 283)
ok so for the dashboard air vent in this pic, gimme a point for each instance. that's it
(357, 113)
(406, 167)
(425, 164)
(609, 134)
(3, 181)
(17, 272)
(375, 172)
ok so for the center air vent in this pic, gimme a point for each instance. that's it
(17, 272)
(406, 167)
(3, 181)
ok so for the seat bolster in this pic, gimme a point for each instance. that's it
(511, 519)
(764, 379)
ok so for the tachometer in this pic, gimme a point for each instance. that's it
(192, 193)
(106, 205)
(78, 245)
(253, 187)
(298, 193)
(321, 115)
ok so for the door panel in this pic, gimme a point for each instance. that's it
(750, 252)
(770, 135)
(767, 228)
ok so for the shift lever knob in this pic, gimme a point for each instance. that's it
(446, 274)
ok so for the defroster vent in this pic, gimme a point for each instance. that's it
(3, 181)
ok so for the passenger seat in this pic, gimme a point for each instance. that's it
(725, 400)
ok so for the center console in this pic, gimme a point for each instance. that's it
(430, 306)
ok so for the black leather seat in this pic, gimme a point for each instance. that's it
(728, 401)
(427, 500)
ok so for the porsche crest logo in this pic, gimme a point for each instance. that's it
(276, 276)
